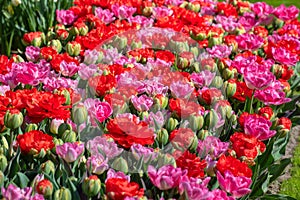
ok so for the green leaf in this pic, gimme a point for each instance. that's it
(22, 180)
(276, 197)
(277, 169)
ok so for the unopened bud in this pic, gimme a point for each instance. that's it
(73, 48)
(162, 136)
(171, 124)
(13, 119)
(63, 194)
(79, 114)
(196, 122)
(91, 186)
(120, 164)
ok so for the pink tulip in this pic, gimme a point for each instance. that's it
(181, 89)
(70, 151)
(104, 15)
(261, 9)
(272, 95)
(257, 78)
(258, 127)
(248, 41)
(217, 194)
(166, 177)
(103, 111)
(286, 13)
(195, 189)
(159, 12)
(96, 164)
(123, 12)
(142, 103)
(65, 17)
(284, 56)
(237, 186)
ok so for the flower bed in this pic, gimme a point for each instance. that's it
(151, 100)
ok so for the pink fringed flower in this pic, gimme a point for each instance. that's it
(257, 78)
(123, 12)
(142, 103)
(65, 17)
(159, 12)
(272, 95)
(104, 15)
(68, 69)
(219, 194)
(103, 111)
(180, 89)
(261, 9)
(195, 189)
(70, 151)
(237, 186)
(220, 51)
(258, 127)
(286, 13)
(284, 56)
(166, 177)
(249, 41)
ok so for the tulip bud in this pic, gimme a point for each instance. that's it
(119, 42)
(120, 164)
(224, 108)
(195, 67)
(228, 73)
(211, 119)
(171, 124)
(217, 82)
(55, 44)
(279, 23)
(196, 122)
(202, 134)
(194, 144)
(179, 46)
(195, 51)
(91, 186)
(47, 167)
(213, 41)
(74, 31)
(17, 59)
(81, 29)
(31, 127)
(62, 128)
(13, 119)
(136, 45)
(63, 194)
(55, 123)
(193, 7)
(283, 125)
(73, 48)
(2, 179)
(79, 114)
(165, 159)
(45, 188)
(50, 36)
(162, 136)
(69, 136)
(59, 26)
(161, 100)
(230, 88)
(57, 142)
(3, 162)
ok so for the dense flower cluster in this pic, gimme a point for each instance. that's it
(149, 100)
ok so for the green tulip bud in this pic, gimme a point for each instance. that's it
(211, 119)
(50, 36)
(162, 136)
(79, 114)
(55, 44)
(195, 67)
(202, 134)
(13, 119)
(171, 124)
(69, 136)
(230, 88)
(63, 194)
(120, 42)
(229, 73)
(195, 51)
(3, 162)
(73, 48)
(59, 26)
(31, 127)
(91, 186)
(193, 7)
(136, 45)
(62, 128)
(17, 59)
(47, 167)
(217, 82)
(165, 159)
(55, 123)
(120, 164)
(194, 144)
(213, 41)
(196, 122)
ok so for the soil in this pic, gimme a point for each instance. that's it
(294, 141)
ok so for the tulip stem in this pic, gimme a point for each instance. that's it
(251, 102)
(10, 152)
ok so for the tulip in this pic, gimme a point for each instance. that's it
(70, 151)
(47, 167)
(45, 187)
(97, 164)
(120, 164)
(91, 186)
(162, 136)
(79, 114)
(63, 194)
(13, 119)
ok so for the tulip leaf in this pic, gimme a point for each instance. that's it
(277, 169)
(276, 197)
(22, 180)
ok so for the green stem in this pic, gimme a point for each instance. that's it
(251, 103)
(10, 152)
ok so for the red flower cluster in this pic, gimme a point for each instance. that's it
(119, 189)
(235, 166)
(129, 130)
(184, 108)
(34, 142)
(246, 145)
(102, 84)
(192, 163)
(182, 138)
